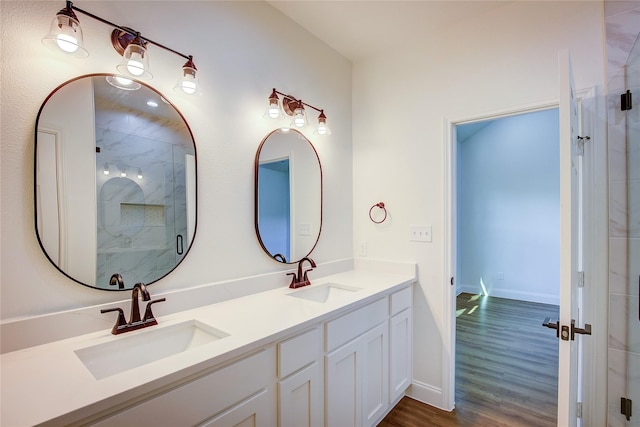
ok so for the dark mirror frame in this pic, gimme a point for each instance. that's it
(128, 286)
(278, 257)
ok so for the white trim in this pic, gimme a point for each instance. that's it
(449, 243)
(596, 262)
(426, 393)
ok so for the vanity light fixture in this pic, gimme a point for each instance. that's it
(322, 128)
(188, 81)
(106, 171)
(135, 59)
(139, 173)
(274, 111)
(295, 108)
(66, 35)
(123, 173)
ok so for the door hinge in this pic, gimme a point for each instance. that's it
(580, 144)
(581, 279)
(626, 101)
(579, 410)
(625, 407)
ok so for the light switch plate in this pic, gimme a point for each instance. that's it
(420, 233)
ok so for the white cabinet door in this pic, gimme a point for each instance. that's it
(207, 398)
(342, 391)
(374, 373)
(253, 412)
(300, 398)
(400, 354)
(357, 380)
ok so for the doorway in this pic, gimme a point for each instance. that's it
(507, 259)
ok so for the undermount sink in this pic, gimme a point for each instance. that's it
(323, 293)
(143, 347)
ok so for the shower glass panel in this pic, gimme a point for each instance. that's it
(632, 119)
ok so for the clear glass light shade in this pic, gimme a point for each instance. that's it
(322, 128)
(299, 117)
(273, 110)
(65, 35)
(188, 82)
(135, 61)
(123, 83)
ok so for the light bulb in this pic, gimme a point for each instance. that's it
(322, 129)
(139, 174)
(298, 119)
(135, 67)
(274, 110)
(188, 85)
(67, 43)
(123, 174)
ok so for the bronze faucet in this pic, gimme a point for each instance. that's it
(301, 279)
(134, 323)
(117, 280)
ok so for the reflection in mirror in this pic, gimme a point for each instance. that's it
(288, 195)
(115, 183)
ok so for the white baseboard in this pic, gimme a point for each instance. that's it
(426, 393)
(512, 294)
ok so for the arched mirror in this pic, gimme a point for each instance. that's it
(115, 183)
(288, 195)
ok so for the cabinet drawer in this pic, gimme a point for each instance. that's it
(351, 325)
(401, 300)
(297, 352)
(202, 398)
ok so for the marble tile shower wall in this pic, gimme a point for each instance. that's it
(138, 219)
(623, 72)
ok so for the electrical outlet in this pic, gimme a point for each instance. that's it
(420, 233)
(363, 249)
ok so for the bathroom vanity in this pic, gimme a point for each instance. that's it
(338, 349)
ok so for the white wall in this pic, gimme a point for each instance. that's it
(242, 50)
(507, 58)
(508, 210)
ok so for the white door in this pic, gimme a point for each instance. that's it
(569, 372)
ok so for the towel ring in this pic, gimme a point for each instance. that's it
(381, 206)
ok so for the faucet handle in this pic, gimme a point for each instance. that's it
(121, 322)
(294, 280)
(306, 278)
(148, 314)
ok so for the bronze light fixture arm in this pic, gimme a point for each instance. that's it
(127, 30)
(294, 99)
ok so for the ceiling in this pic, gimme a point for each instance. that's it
(360, 28)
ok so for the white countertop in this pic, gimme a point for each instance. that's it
(49, 382)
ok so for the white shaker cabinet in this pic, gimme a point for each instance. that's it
(239, 394)
(357, 371)
(300, 389)
(400, 344)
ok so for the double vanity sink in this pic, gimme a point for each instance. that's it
(94, 373)
(134, 350)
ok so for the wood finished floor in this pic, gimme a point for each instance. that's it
(506, 369)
